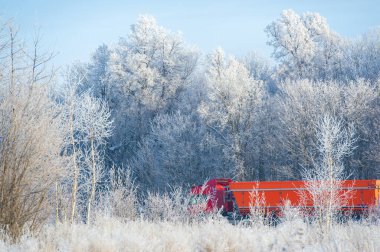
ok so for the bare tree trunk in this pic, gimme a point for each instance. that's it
(12, 71)
(331, 191)
(93, 181)
(75, 169)
(57, 220)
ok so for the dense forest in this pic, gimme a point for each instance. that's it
(180, 117)
(154, 110)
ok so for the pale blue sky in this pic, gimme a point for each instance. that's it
(74, 29)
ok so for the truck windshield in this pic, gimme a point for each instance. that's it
(198, 199)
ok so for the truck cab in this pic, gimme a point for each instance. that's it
(215, 194)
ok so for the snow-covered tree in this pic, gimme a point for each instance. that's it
(95, 128)
(97, 74)
(170, 154)
(325, 180)
(293, 45)
(87, 124)
(152, 64)
(69, 113)
(362, 58)
(229, 113)
(147, 73)
(302, 102)
(305, 46)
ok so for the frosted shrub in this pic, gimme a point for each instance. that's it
(175, 206)
(290, 213)
(30, 160)
(258, 213)
(121, 201)
(158, 207)
(172, 206)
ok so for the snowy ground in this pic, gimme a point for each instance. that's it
(110, 234)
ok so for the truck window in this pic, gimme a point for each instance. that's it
(198, 199)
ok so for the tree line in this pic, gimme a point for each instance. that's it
(181, 117)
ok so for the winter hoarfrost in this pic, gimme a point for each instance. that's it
(103, 158)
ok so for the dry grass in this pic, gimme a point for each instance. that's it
(110, 234)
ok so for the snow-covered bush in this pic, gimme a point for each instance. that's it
(120, 200)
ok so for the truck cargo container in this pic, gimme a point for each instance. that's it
(271, 196)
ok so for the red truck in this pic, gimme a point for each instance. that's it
(231, 196)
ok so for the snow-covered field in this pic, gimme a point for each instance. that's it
(110, 234)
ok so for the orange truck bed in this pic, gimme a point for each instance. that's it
(273, 195)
